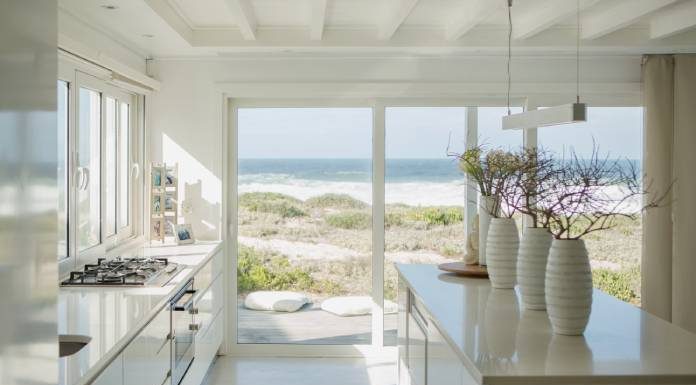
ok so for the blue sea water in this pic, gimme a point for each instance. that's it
(409, 181)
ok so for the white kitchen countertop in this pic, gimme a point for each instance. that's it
(500, 343)
(113, 316)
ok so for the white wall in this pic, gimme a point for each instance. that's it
(78, 37)
(185, 114)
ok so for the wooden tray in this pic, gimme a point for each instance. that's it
(464, 270)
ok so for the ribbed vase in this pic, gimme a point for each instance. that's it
(486, 204)
(501, 252)
(568, 286)
(531, 266)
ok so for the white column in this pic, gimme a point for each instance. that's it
(470, 193)
(658, 91)
(378, 155)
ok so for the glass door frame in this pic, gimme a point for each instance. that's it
(377, 289)
(230, 158)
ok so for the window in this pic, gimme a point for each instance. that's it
(305, 221)
(490, 130)
(124, 166)
(617, 131)
(63, 96)
(110, 171)
(424, 193)
(97, 151)
(89, 169)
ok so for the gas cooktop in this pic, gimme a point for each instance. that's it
(118, 271)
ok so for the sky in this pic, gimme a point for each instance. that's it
(422, 132)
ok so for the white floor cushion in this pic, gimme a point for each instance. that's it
(286, 301)
(354, 305)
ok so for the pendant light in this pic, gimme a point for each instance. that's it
(563, 114)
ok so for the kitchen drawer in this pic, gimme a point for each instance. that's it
(211, 270)
(417, 348)
(147, 357)
(208, 304)
(207, 344)
(444, 366)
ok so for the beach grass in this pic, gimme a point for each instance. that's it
(413, 234)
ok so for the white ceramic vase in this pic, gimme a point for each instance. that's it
(486, 205)
(568, 286)
(501, 252)
(531, 266)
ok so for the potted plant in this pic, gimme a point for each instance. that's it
(588, 195)
(493, 172)
(535, 179)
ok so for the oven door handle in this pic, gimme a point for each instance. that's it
(184, 302)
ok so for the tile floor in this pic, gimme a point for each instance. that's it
(302, 371)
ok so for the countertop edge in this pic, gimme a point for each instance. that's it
(95, 370)
(471, 368)
(667, 379)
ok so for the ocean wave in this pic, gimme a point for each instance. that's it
(410, 193)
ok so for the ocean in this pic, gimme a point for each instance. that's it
(424, 182)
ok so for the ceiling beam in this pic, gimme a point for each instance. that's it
(170, 16)
(473, 13)
(395, 16)
(317, 19)
(246, 20)
(673, 20)
(545, 15)
(622, 14)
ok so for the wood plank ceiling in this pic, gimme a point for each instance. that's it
(472, 25)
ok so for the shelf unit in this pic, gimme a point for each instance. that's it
(164, 200)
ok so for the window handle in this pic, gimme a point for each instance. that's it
(85, 184)
(135, 170)
(79, 176)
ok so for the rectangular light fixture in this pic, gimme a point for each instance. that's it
(563, 114)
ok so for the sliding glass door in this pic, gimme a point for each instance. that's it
(424, 193)
(304, 226)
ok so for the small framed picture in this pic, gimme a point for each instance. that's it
(157, 176)
(169, 201)
(157, 204)
(156, 230)
(184, 234)
(170, 176)
(169, 229)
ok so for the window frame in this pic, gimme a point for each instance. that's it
(80, 75)
(230, 192)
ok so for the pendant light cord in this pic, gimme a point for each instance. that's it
(577, 54)
(509, 76)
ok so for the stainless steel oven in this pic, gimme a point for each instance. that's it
(183, 331)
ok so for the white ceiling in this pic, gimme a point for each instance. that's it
(205, 27)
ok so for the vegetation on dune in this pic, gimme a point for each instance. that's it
(273, 203)
(350, 220)
(346, 222)
(260, 270)
(621, 284)
(437, 216)
(336, 201)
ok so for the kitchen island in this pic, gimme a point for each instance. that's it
(454, 330)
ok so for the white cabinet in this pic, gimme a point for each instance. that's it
(444, 366)
(208, 339)
(113, 374)
(428, 357)
(416, 351)
(147, 359)
(205, 276)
